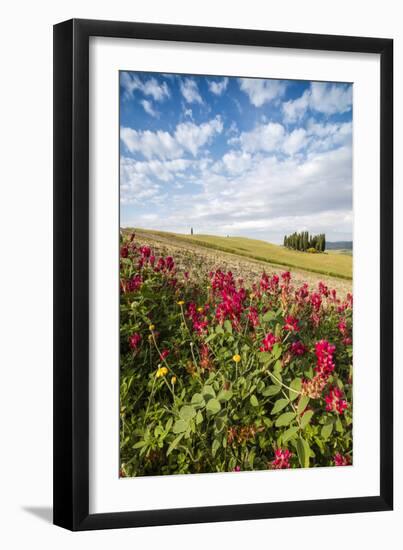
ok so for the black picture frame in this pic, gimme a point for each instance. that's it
(71, 274)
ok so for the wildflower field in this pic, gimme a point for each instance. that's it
(218, 374)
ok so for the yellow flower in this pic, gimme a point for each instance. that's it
(162, 371)
(236, 358)
(173, 380)
(180, 303)
(200, 309)
(151, 327)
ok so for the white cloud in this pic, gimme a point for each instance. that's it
(151, 144)
(265, 137)
(323, 97)
(163, 145)
(193, 136)
(188, 113)
(294, 141)
(262, 91)
(295, 109)
(236, 162)
(330, 98)
(217, 87)
(148, 107)
(190, 91)
(150, 87)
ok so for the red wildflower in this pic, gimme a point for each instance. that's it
(291, 324)
(134, 283)
(281, 459)
(253, 316)
(324, 355)
(335, 401)
(323, 289)
(286, 276)
(164, 354)
(134, 340)
(298, 348)
(316, 301)
(145, 251)
(268, 342)
(341, 460)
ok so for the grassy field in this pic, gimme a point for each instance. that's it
(334, 264)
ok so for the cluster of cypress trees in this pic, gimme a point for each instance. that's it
(304, 241)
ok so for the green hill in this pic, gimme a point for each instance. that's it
(337, 265)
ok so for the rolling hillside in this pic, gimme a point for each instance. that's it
(336, 265)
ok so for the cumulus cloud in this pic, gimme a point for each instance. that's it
(190, 91)
(322, 97)
(217, 87)
(188, 137)
(192, 136)
(262, 91)
(264, 137)
(132, 82)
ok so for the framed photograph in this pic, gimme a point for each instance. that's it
(223, 237)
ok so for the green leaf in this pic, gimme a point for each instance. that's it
(213, 406)
(139, 444)
(279, 405)
(168, 425)
(289, 434)
(306, 418)
(187, 412)
(285, 419)
(180, 426)
(215, 446)
(327, 430)
(253, 401)
(271, 390)
(208, 391)
(295, 385)
(276, 351)
(269, 316)
(251, 458)
(302, 404)
(228, 326)
(199, 418)
(198, 400)
(224, 395)
(303, 452)
(174, 444)
(264, 357)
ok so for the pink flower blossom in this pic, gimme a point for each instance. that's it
(124, 251)
(281, 459)
(291, 324)
(324, 358)
(341, 460)
(134, 283)
(316, 301)
(164, 354)
(253, 316)
(335, 401)
(134, 340)
(298, 348)
(268, 342)
(237, 469)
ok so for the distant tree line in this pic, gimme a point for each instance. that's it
(304, 241)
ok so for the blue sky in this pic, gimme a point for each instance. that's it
(233, 156)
